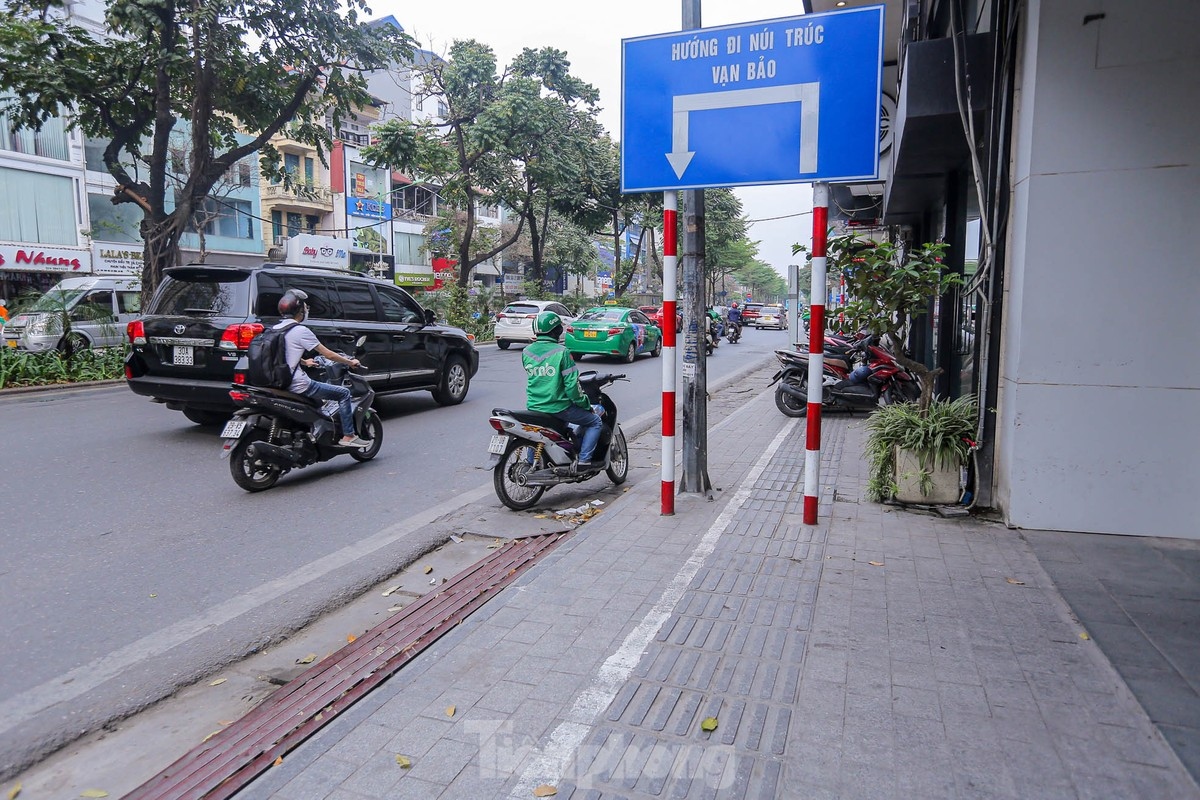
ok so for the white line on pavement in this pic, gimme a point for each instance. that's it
(547, 765)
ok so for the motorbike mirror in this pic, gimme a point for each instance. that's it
(429, 318)
(361, 341)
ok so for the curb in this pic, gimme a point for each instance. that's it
(50, 387)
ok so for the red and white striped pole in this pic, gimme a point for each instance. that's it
(816, 353)
(670, 265)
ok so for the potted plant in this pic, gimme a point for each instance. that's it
(915, 450)
(915, 455)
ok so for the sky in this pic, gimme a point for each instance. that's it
(591, 35)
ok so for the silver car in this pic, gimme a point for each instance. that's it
(97, 307)
(515, 323)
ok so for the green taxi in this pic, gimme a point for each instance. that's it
(613, 331)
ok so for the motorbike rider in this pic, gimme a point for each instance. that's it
(300, 340)
(552, 385)
(735, 315)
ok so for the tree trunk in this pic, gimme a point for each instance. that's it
(161, 251)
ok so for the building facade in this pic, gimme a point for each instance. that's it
(1084, 179)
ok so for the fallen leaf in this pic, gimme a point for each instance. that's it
(395, 588)
(449, 711)
(1015, 582)
(217, 682)
(350, 637)
(545, 790)
(278, 761)
(428, 570)
(541, 516)
(206, 738)
(709, 724)
(404, 761)
(154, 595)
(394, 609)
(308, 659)
(93, 793)
(14, 791)
(1084, 636)
(875, 563)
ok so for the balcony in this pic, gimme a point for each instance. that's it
(300, 197)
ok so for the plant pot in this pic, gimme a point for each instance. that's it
(945, 485)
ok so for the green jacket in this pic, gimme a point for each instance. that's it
(553, 377)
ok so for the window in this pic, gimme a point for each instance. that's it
(558, 309)
(277, 224)
(310, 224)
(358, 302)
(129, 302)
(39, 208)
(49, 142)
(443, 109)
(408, 248)
(198, 291)
(293, 223)
(322, 297)
(399, 307)
(244, 175)
(97, 305)
(114, 223)
(224, 217)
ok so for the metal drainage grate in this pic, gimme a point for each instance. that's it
(223, 765)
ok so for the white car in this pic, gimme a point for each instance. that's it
(771, 317)
(515, 323)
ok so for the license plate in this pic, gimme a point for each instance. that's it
(233, 429)
(590, 334)
(183, 356)
(12, 343)
(497, 444)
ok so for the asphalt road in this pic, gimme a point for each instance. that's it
(133, 564)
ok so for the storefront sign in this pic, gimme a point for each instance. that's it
(367, 207)
(308, 250)
(18, 258)
(110, 258)
(406, 278)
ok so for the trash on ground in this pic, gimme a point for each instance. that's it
(404, 761)
(709, 724)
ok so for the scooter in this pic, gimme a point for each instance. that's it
(712, 336)
(845, 387)
(275, 431)
(532, 451)
(733, 332)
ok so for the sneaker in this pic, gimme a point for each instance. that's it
(355, 442)
(584, 466)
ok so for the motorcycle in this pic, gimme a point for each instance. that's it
(275, 431)
(532, 451)
(733, 332)
(845, 387)
(712, 336)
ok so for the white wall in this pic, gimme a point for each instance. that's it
(1100, 388)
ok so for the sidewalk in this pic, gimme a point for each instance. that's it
(882, 653)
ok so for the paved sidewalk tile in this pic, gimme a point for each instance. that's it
(882, 653)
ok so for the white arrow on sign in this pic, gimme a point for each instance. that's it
(806, 94)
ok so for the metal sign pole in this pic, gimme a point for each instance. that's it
(816, 353)
(670, 210)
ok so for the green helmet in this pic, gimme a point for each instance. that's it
(547, 323)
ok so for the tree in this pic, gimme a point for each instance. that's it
(889, 287)
(497, 139)
(221, 65)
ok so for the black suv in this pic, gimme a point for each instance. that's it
(202, 318)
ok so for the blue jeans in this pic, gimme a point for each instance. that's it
(327, 391)
(588, 423)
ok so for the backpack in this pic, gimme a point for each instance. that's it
(267, 356)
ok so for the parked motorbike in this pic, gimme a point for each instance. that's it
(712, 337)
(275, 431)
(532, 451)
(845, 387)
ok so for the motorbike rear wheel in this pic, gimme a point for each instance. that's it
(251, 475)
(374, 432)
(790, 405)
(618, 458)
(508, 477)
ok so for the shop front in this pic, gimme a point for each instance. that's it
(30, 270)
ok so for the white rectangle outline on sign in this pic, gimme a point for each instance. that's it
(680, 156)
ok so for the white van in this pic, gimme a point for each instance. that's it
(98, 308)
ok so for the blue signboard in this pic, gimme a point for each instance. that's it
(368, 207)
(779, 101)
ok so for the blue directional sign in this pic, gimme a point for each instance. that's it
(778, 101)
